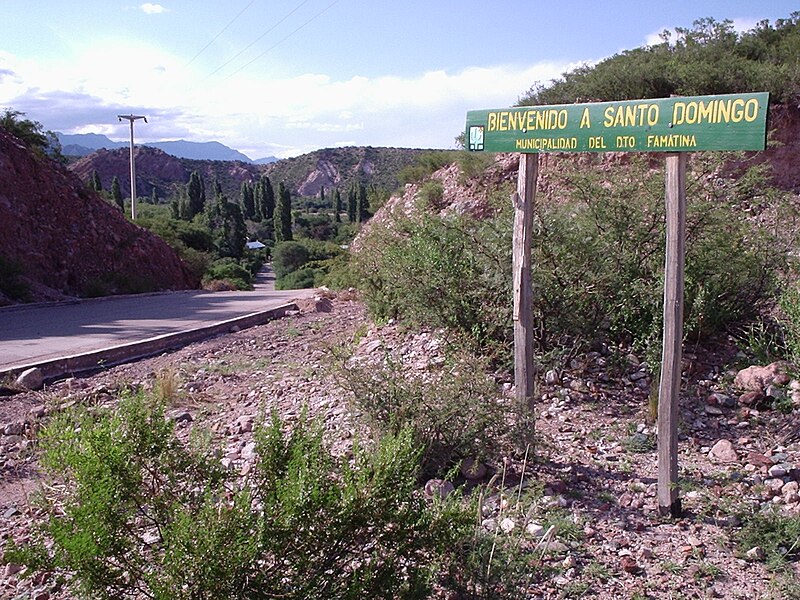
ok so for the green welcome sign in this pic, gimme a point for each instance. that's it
(678, 124)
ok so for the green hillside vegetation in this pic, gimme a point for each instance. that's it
(378, 167)
(708, 58)
(210, 230)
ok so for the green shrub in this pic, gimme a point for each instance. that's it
(603, 256)
(338, 273)
(229, 270)
(453, 410)
(450, 272)
(764, 340)
(425, 164)
(31, 133)
(432, 194)
(473, 164)
(778, 535)
(116, 283)
(297, 280)
(321, 250)
(177, 232)
(789, 303)
(598, 259)
(288, 257)
(141, 514)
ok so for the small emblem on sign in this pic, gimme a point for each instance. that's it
(476, 137)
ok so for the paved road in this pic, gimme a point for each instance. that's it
(30, 334)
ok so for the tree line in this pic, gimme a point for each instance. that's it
(711, 57)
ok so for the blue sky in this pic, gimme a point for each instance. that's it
(283, 77)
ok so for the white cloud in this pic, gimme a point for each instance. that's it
(258, 116)
(152, 9)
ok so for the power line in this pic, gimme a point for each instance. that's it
(319, 14)
(214, 39)
(250, 45)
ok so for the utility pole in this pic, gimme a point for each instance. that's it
(132, 118)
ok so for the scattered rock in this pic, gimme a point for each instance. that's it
(244, 424)
(38, 411)
(438, 488)
(249, 451)
(322, 304)
(507, 525)
(534, 530)
(694, 541)
(759, 460)
(774, 392)
(719, 399)
(552, 546)
(371, 346)
(752, 398)
(774, 485)
(724, 451)
(756, 378)
(777, 471)
(181, 416)
(32, 378)
(629, 565)
(472, 469)
(14, 428)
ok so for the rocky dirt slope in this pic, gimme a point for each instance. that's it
(68, 241)
(595, 458)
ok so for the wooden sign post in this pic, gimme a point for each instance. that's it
(671, 351)
(673, 125)
(523, 200)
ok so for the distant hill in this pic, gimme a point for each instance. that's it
(304, 175)
(341, 167)
(82, 144)
(164, 172)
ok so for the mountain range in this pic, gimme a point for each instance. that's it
(304, 175)
(82, 144)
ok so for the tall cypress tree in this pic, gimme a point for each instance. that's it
(95, 183)
(227, 227)
(153, 196)
(247, 199)
(337, 206)
(116, 193)
(196, 196)
(363, 203)
(258, 200)
(351, 204)
(268, 198)
(283, 215)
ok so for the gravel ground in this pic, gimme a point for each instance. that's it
(595, 456)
